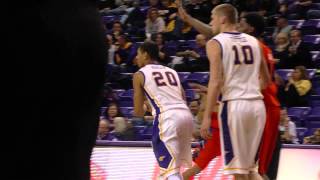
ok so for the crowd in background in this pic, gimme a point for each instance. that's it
(137, 20)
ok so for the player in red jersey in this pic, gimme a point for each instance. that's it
(211, 147)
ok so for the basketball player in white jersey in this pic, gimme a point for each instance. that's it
(172, 127)
(237, 71)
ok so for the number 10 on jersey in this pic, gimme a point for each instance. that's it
(243, 53)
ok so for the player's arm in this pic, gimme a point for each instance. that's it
(214, 55)
(265, 77)
(138, 97)
(201, 27)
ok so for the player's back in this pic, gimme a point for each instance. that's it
(163, 88)
(241, 59)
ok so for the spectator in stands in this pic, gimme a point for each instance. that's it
(196, 58)
(281, 50)
(194, 107)
(116, 31)
(207, 7)
(122, 6)
(283, 9)
(154, 23)
(163, 49)
(261, 7)
(299, 53)
(174, 25)
(316, 136)
(104, 129)
(155, 4)
(123, 50)
(297, 88)
(134, 16)
(108, 95)
(281, 26)
(313, 139)
(287, 129)
(199, 9)
(168, 10)
(111, 48)
(123, 131)
(111, 112)
(110, 4)
(300, 9)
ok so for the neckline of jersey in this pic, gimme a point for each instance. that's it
(233, 33)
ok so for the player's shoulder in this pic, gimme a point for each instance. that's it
(154, 67)
(250, 37)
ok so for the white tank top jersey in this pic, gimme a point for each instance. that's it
(163, 88)
(241, 59)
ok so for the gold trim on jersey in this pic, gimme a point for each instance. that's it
(160, 119)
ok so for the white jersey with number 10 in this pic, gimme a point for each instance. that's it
(241, 59)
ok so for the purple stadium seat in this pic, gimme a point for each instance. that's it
(312, 23)
(284, 73)
(139, 132)
(296, 23)
(126, 103)
(128, 93)
(301, 133)
(127, 111)
(313, 41)
(316, 82)
(312, 73)
(199, 77)
(144, 9)
(317, 90)
(315, 111)
(183, 76)
(108, 19)
(311, 26)
(190, 94)
(298, 114)
(183, 45)
(147, 134)
(118, 92)
(313, 122)
(192, 43)
(314, 100)
(315, 55)
(102, 109)
(171, 48)
(140, 129)
(313, 119)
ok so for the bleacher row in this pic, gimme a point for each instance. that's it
(181, 45)
(307, 119)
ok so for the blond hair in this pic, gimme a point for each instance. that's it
(228, 11)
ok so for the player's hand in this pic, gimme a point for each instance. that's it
(205, 128)
(184, 16)
(290, 80)
(178, 3)
(198, 87)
